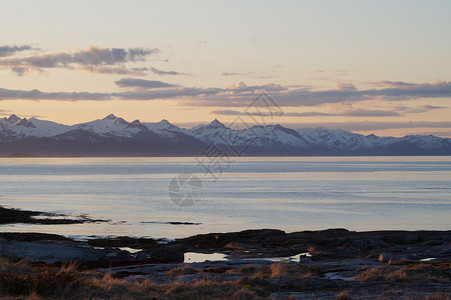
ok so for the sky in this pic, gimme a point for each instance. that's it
(372, 67)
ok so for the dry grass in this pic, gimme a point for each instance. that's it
(70, 267)
(20, 281)
(45, 283)
(203, 289)
(439, 296)
(278, 270)
(412, 273)
(344, 296)
(245, 270)
(179, 271)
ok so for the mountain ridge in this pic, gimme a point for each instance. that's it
(114, 136)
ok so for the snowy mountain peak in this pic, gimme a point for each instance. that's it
(26, 123)
(12, 119)
(163, 128)
(261, 140)
(216, 123)
(120, 121)
(164, 122)
(110, 117)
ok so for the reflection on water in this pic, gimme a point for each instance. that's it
(289, 193)
(193, 257)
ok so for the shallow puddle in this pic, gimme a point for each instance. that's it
(193, 257)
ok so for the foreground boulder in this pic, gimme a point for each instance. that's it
(169, 254)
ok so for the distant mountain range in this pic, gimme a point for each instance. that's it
(113, 136)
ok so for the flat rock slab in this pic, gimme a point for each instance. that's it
(51, 251)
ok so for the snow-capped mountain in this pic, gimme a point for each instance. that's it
(112, 126)
(14, 128)
(342, 139)
(115, 136)
(164, 128)
(261, 136)
(208, 132)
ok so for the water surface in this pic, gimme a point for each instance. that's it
(288, 193)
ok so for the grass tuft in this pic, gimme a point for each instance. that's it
(344, 296)
(278, 270)
(411, 273)
(179, 271)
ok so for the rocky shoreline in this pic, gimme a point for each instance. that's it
(251, 264)
(300, 265)
(13, 216)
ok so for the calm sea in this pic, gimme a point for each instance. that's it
(288, 193)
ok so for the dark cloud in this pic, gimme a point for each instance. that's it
(8, 113)
(142, 83)
(11, 50)
(430, 107)
(387, 83)
(242, 95)
(20, 71)
(415, 110)
(6, 94)
(307, 114)
(229, 112)
(141, 94)
(161, 72)
(368, 113)
(241, 87)
(351, 113)
(91, 59)
(94, 55)
(119, 70)
(233, 74)
(345, 86)
(171, 93)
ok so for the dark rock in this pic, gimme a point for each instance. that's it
(121, 255)
(168, 254)
(415, 251)
(360, 244)
(124, 241)
(275, 239)
(299, 248)
(333, 253)
(32, 237)
(402, 238)
(305, 261)
(236, 246)
(261, 237)
(282, 252)
(433, 243)
(411, 239)
(443, 251)
(377, 243)
(142, 255)
(397, 249)
(431, 254)
(398, 258)
(385, 257)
